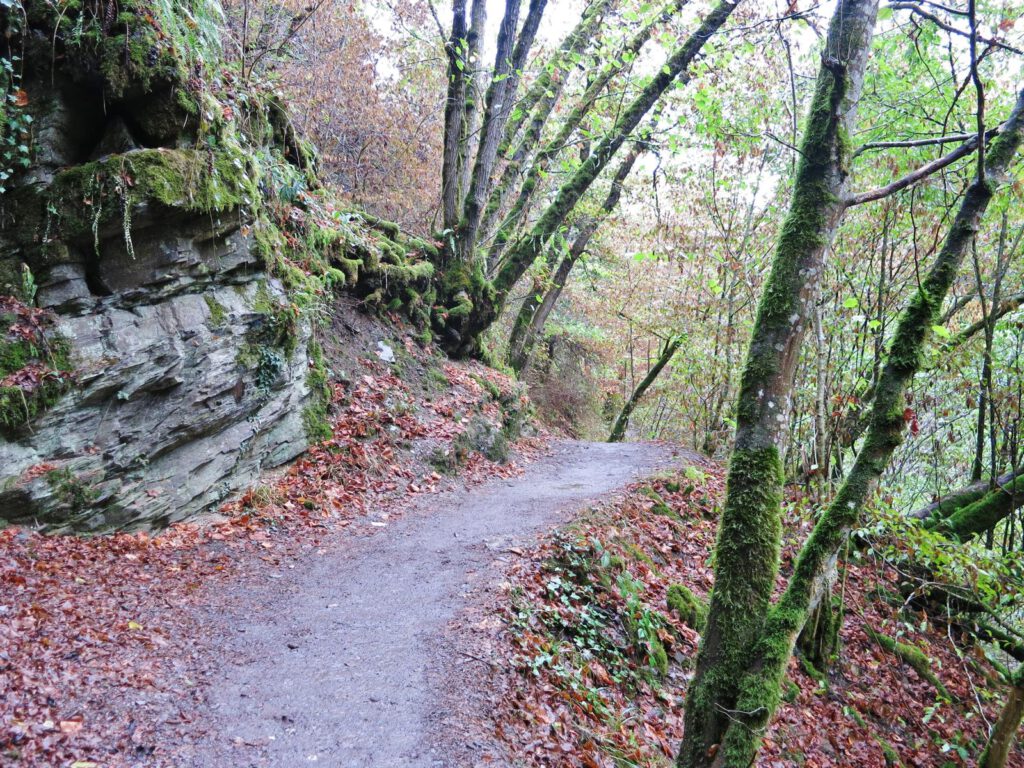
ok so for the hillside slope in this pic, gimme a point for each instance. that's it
(167, 256)
(602, 624)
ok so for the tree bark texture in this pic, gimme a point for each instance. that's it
(1004, 732)
(501, 238)
(509, 61)
(533, 111)
(454, 113)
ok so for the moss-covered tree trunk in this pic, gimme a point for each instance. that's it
(749, 535)
(534, 312)
(818, 642)
(533, 315)
(466, 180)
(759, 685)
(622, 422)
(510, 59)
(982, 514)
(483, 307)
(501, 223)
(526, 124)
(956, 500)
(454, 114)
(1004, 733)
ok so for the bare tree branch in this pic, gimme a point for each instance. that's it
(947, 139)
(914, 176)
(919, 11)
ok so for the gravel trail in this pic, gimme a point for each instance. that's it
(335, 662)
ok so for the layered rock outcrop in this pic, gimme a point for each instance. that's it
(133, 224)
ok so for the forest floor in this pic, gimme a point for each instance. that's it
(396, 598)
(593, 649)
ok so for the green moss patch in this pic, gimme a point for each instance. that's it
(218, 314)
(315, 416)
(35, 365)
(74, 492)
(88, 198)
(912, 656)
(690, 609)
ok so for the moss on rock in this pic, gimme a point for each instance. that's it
(218, 314)
(35, 365)
(315, 416)
(83, 199)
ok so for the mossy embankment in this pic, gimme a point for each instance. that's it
(35, 365)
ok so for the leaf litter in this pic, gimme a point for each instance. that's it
(596, 663)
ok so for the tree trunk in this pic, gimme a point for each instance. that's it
(454, 115)
(750, 531)
(621, 423)
(536, 106)
(534, 312)
(503, 237)
(509, 60)
(957, 500)
(485, 307)
(1004, 733)
(979, 516)
(759, 685)
(474, 96)
(533, 315)
(819, 639)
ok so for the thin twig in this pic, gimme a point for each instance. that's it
(437, 20)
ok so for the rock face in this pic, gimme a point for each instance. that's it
(190, 361)
(175, 406)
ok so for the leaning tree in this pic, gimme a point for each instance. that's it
(749, 639)
(500, 142)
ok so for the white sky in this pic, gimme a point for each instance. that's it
(560, 16)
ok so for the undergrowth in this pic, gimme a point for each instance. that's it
(35, 365)
(595, 621)
(605, 620)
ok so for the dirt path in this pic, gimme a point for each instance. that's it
(335, 662)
